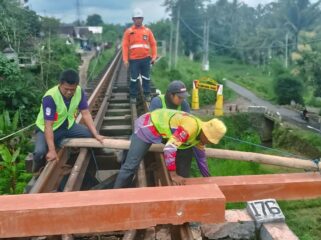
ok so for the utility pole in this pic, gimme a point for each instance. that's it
(286, 49)
(206, 36)
(170, 55)
(204, 43)
(78, 11)
(207, 44)
(177, 35)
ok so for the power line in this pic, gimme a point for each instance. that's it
(223, 46)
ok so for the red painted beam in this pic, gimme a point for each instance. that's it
(108, 210)
(289, 186)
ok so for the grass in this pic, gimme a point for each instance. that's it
(97, 64)
(258, 79)
(187, 71)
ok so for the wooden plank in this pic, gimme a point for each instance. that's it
(289, 186)
(108, 210)
(117, 118)
(116, 128)
(210, 152)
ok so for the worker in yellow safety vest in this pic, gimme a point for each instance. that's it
(175, 98)
(56, 118)
(178, 130)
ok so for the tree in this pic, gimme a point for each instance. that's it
(191, 19)
(288, 88)
(310, 70)
(18, 26)
(296, 15)
(161, 29)
(49, 25)
(112, 32)
(94, 20)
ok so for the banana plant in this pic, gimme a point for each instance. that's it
(6, 124)
(8, 169)
(13, 176)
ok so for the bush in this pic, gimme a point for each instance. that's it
(288, 88)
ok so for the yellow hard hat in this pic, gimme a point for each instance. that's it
(214, 130)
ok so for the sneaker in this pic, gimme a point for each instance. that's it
(133, 100)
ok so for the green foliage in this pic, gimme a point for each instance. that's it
(288, 88)
(94, 20)
(112, 33)
(310, 70)
(187, 71)
(13, 176)
(191, 12)
(18, 26)
(54, 57)
(161, 29)
(16, 92)
(98, 64)
(297, 140)
(6, 125)
(49, 26)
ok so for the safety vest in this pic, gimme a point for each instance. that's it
(162, 118)
(62, 113)
(164, 106)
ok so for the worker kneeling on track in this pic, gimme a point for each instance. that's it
(180, 130)
(56, 119)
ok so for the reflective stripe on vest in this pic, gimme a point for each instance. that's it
(139, 46)
(61, 109)
(161, 119)
(164, 106)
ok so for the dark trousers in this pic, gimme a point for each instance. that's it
(139, 67)
(184, 162)
(137, 149)
(41, 148)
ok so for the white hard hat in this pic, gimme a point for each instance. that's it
(138, 13)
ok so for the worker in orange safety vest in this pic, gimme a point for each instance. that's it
(139, 52)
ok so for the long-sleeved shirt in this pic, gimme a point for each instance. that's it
(182, 129)
(156, 103)
(139, 43)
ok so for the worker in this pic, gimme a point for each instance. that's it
(175, 98)
(56, 118)
(180, 130)
(139, 52)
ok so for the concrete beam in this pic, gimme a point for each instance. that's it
(288, 186)
(108, 210)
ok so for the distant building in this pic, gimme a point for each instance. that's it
(79, 35)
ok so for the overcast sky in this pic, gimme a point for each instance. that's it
(112, 11)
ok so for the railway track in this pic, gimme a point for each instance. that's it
(90, 169)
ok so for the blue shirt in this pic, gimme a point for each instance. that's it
(156, 103)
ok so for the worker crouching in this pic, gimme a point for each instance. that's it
(180, 130)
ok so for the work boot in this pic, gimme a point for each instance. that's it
(132, 100)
